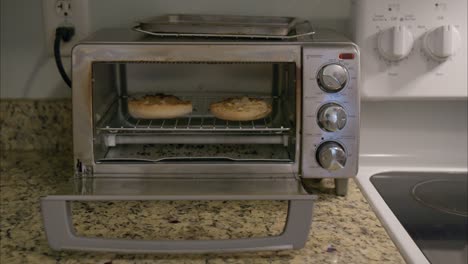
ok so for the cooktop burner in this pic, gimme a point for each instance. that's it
(433, 208)
(447, 196)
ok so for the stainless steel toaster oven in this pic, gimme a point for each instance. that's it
(310, 82)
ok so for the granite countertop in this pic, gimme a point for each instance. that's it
(344, 229)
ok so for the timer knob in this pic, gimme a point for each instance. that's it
(442, 42)
(395, 43)
(331, 156)
(332, 78)
(331, 117)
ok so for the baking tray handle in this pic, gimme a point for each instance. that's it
(57, 217)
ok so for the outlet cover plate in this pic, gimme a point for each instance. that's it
(78, 18)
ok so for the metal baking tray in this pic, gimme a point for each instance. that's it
(219, 24)
(181, 25)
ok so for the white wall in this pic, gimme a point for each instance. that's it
(28, 72)
(330, 13)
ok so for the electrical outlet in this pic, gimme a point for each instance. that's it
(65, 13)
(63, 8)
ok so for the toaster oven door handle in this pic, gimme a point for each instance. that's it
(57, 217)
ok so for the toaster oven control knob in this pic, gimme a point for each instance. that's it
(332, 117)
(331, 156)
(395, 43)
(442, 42)
(332, 78)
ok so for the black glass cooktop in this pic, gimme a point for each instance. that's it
(433, 208)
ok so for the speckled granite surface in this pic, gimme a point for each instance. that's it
(31, 124)
(36, 159)
(345, 230)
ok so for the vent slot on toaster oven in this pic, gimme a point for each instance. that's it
(199, 136)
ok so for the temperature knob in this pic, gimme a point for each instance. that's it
(442, 42)
(395, 43)
(332, 78)
(331, 117)
(331, 156)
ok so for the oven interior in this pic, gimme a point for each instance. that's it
(198, 137)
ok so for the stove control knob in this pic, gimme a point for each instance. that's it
(331, 117)
(442, 42)
(332, 78)
(331, 156)
(395, 43)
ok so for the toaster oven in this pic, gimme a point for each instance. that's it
(312, 131)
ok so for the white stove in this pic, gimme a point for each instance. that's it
(413, 163)
(433, 209)
(419, 142)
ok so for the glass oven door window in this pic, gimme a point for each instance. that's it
(198, 136)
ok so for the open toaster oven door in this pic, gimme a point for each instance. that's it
(61, 235)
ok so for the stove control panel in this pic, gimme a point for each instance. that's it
(412, 49)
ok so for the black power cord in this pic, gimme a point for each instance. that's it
(62, 34)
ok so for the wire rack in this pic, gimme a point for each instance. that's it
(199, 120)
